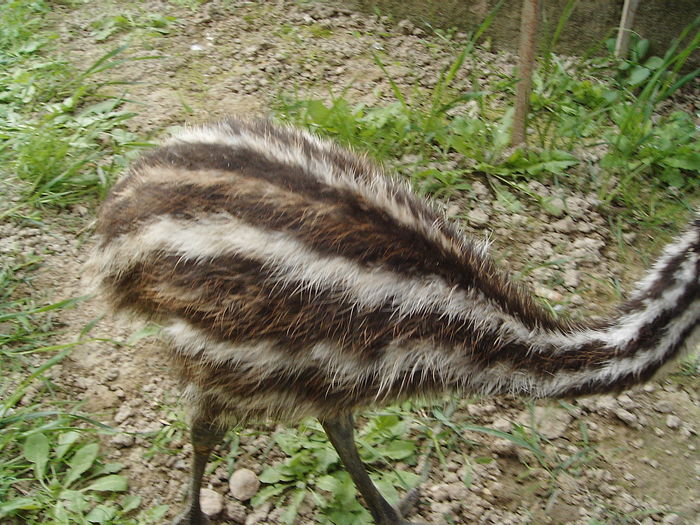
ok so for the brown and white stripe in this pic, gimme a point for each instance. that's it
(293, 278)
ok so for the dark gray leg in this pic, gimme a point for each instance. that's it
(205, 436)
(340, 432)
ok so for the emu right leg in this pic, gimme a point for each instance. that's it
(205, 436)
(341, 434)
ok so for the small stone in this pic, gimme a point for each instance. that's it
(564, 225)
(481, 409)
(251, 50)
(502, 424)
(453, 210)
(605, 404)
(211, 501)
(572, 278)
(548, 294)
(673, 422)
(405, 26)
(235, 511)
(457, 491)
(540, 248)
(480, 189)
(627, 402)
(478, 217)
(504, 447)
(122, 440)
(663, 406)
(410, 158)
(259, 515)
(626, 416)
(244, 484)
(439, 492)
(123, 414)
(550, 422)
(440, 508)
(555, 206)
(577, 300)
(672, 519)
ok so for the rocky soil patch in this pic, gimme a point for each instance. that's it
(631, 458)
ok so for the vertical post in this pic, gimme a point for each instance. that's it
(622, 43)
(526, 60)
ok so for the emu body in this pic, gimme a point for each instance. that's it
(295, 279)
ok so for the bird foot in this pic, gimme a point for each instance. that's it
(409, 502)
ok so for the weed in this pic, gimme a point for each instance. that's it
(312, 469)
(50, 464)
(109, 26)
(451, 133)
(64, 151)
(320, 31)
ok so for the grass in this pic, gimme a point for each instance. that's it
(62, 128)
(63, 140)
(312, 469)
(649, 159)
(50, 464)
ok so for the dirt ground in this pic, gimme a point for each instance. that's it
(232, 58)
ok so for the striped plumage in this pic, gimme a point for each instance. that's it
(294, 279)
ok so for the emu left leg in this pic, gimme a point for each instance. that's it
(205, 436)
(341, 434)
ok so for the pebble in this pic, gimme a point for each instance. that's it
(122, 440)
(572, 278)
(564, 225)
(244, 484)
(550, 295)
(478, 217)
(259, 515)
(481, 409)
(673, 422)
(504, 447)
(579, 218)
(235, 511)
(123, 414)
(550, 422)
(502, 424)
(556, 206)
(663, 406)
(672, 519)
(626, 416)
(439, 492)
(481, 190)
(212, 502)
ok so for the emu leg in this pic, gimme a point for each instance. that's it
(205, 436)
(340, 432)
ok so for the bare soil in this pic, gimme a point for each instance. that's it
(233, 58)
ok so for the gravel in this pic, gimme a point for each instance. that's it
(494, 480)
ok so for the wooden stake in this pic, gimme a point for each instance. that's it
(526, 61)
(623, 32)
